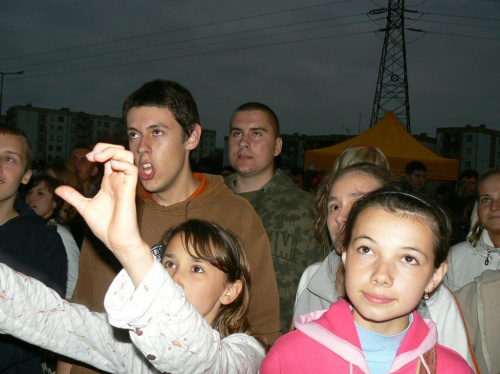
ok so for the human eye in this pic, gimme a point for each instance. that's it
(10, 159)
(257, 133)
(364, 250)
(158, 132)
(235, 133)
(485, 199)
(167, 264)
(197, 269)
(133, 135)
(410, 260)
(333, 207)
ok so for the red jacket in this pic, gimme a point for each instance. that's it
(298, 352)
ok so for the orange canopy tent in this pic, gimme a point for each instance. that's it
(399, 146)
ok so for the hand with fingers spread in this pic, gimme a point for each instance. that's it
(111, 214)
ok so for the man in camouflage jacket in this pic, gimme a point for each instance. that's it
(286, 211)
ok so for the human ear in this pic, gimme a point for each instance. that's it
(344, 257)
(278, 144)
(193, 139)
(27, 176)
(231, 292)
(437, 277)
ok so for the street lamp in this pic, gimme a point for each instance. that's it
(1, 86)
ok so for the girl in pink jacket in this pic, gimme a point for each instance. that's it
(394, 249)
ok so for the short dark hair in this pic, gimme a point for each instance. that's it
(169, 95)
(16, 131)
(253, 105)
(469, 173)
(82, 145)
(413, 166)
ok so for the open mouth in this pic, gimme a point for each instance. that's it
(147, 171)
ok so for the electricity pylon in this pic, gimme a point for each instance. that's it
(392, 83)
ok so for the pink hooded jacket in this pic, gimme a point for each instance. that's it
(340, 349)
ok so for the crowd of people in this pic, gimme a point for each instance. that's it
(128, 261)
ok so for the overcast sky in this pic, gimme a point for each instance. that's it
(315, 62)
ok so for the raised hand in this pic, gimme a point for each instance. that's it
(111, 214)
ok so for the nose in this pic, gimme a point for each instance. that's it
(344, 210)
(244, 143)
(382, 273)
(143, 146)
(29, 198)
(342, 216)
(177, 277)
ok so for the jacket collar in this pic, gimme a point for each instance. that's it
(337, 325)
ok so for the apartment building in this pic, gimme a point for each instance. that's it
(477, 147)
(53, 133)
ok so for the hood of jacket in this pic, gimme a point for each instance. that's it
(337, 329)
(322, 283)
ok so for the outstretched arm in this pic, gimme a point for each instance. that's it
(111, 214)
(38, 315)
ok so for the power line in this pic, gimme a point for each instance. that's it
(202, 53)
(204, 38)
(201, 46)
(460, 16)
(450, 34)
(178, 29)
(454, 23)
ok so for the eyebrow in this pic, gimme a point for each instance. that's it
(416, 249)
(484, 195)
(251, 129)
(152, 126)
(353, 194)
(13, 153)
(364, 237)
(172, 256)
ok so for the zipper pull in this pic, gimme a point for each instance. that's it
(487, 261)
